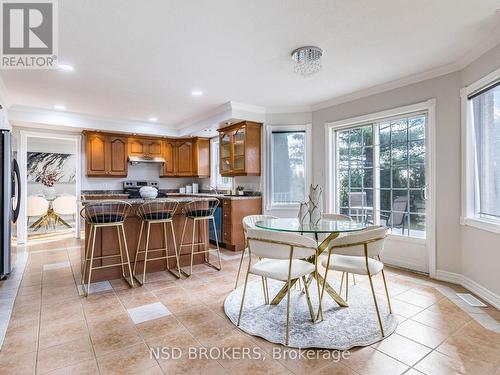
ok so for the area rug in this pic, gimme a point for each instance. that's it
(342, 327)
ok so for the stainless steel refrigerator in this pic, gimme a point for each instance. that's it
(10, 200)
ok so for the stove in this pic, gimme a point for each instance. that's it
(132, 188)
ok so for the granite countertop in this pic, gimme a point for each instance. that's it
(176, 196)
(137, 200)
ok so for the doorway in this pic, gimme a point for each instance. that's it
(50, 171)
(381, 173)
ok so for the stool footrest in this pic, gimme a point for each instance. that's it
(191, 245)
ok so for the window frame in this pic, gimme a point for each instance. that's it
(215, 176)
(470, 199)
(270, 129)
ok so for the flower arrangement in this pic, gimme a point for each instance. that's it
(48, 178)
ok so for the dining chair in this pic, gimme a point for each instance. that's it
(322, 236)
(283, 257)
(64, 206)
(37, 207)
(359, 253)
(248, 223)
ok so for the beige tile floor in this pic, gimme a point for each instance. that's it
(53, 330)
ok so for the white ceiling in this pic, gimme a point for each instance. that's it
(136, 59)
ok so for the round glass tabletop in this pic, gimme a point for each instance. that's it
(324, 226)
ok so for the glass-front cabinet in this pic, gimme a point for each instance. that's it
(240, 149)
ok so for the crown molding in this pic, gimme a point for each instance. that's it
(41, 117)
(387, 86)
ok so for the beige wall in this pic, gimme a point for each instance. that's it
(481, 249)
(446, 91)
(461, 250)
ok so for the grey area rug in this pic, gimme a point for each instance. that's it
(342, 327)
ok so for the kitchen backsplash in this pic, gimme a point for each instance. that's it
(138, 172)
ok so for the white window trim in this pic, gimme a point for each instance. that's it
(308, 161)
(470, 216)
(214, 173)
(330, 151)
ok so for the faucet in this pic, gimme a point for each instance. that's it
(214, 189)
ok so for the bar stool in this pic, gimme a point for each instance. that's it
(156, 212)
(200, 210)
(103, 214)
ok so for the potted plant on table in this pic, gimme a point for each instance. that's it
(48, 179)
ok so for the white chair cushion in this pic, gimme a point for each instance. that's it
(353, 264)
(278, 269)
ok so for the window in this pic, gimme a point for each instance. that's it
(380, 173)
(482, 154)
(288, 162)
(215, 178)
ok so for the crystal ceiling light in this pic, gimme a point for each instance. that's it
(307, 60)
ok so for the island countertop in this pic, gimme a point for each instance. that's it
(106, 242)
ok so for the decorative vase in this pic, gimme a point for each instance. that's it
(303, 215)
(49, 192)
(315, 204)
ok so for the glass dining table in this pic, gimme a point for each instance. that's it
(325, 231)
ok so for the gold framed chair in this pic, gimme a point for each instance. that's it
(199, 211)
(249, 222)
(160, 212)
(359, 253)
(281, 257)
(104, 214)
(322, 236)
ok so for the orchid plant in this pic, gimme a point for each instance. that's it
(48, 178)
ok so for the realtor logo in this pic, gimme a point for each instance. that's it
(29, 34)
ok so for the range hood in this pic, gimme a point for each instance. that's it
(144, 159)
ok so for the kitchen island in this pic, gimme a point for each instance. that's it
(106, 242)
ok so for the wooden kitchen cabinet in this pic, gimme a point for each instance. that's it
(240, 149)
(145, 147)
(186, 157)
(106, 155)
(233, 212)
(168, 147)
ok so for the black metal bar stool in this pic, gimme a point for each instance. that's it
(103, 214)
(161, 212)
(200, 210)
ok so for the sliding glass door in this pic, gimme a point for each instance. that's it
(381, 173)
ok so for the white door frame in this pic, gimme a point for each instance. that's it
(22, 227)
(430, 107)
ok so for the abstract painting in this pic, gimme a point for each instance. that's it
(64, 164)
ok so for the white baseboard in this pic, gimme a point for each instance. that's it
(398, 262)
(456, 278)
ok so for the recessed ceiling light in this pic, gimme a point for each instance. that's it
(153, 119)
(66, 67)
(59, 107)
(197, 93)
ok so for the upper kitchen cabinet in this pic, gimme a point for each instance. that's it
(106, 155)
(186, 157)
(201, 157)
(239, 149)
(145, 147)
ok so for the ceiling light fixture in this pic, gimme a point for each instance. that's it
(59, 107)
(307, 60)
(66, 67)
(197, 93)
(153, 119)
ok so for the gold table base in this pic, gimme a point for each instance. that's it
(49, 216)
(319, 279)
